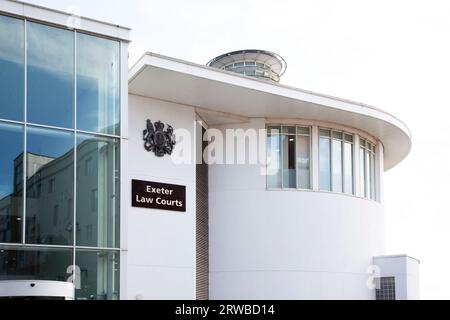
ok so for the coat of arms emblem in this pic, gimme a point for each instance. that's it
(157, 140)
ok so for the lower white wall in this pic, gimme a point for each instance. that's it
(161, 244)
(292, 245)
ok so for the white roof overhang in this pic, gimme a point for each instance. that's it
(226, 95)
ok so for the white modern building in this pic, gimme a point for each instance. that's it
(173, 180)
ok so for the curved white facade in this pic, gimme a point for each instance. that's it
(289, 244)
(292, 245)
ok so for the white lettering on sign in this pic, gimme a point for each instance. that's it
(161, 191)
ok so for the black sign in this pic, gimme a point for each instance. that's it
(154, 195)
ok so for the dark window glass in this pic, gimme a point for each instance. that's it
(98, 84)
(35, 264)
(11, 68)
(99, 275)
(11, 182)
(289, 161)
(50, 58)
(98, 195)
(49, 162)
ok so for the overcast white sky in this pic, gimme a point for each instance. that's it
(394, 55)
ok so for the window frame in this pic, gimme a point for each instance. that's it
(343, 141)
(297, 134)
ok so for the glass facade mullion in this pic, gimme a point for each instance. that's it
(75, 136)
(25, 141)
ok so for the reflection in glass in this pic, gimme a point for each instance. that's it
(362, 172)
(49, 187)
(325, 164)
(99, 275)
(348, 168)
(98, 84)
(368, 175)
(11, 182)
(274, 161)
(98, 198)
(35, 264)
(11, 68)
(303, 162)
(289, 162)
(337, 165)
(50, 75)
(373, 176)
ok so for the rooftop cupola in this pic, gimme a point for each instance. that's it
(260, 64)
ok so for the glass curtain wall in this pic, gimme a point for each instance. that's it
(289, 157)
(60, 160)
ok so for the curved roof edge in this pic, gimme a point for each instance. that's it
(162, 77)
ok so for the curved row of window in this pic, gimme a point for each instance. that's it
(289, 165)
(252, 69)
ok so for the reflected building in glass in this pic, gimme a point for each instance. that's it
(60, 164)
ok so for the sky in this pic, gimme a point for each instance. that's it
(394, 55)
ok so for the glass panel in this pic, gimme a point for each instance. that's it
(11, 68)
(99, 275)
(49, 187)
(274, 161)
(325, 133)
(325, 164)
(362, 172)
(368, 176)
(11, 182)
(337, 166)
(50, 75)
(98, 84)
(362, 143)
(289, 162)
(98, 186)
(337, 135)
(35, 264)
(372, 174)
(303, 162)
(289, 130)
(348, 168)
(348, 138)
(303, 130)
(274, 129)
